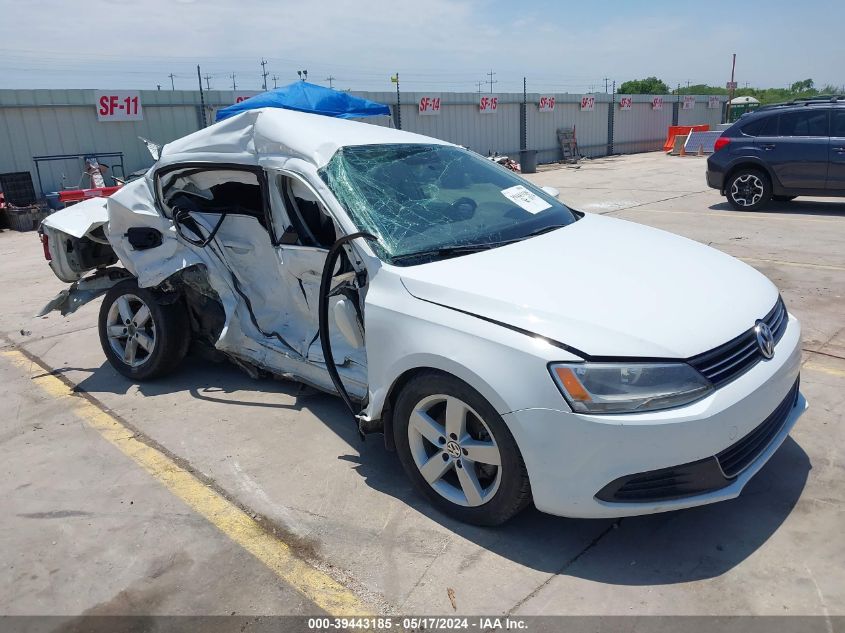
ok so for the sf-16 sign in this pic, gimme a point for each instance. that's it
(119, 105)
(546, 104)
(429, 105)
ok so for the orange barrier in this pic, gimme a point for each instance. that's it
(675, 130)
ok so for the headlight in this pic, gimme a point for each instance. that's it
(628, 387)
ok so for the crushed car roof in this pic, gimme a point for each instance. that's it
(266, 132)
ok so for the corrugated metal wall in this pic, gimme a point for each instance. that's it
(49, 122)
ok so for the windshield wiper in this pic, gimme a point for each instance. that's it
(463, 249)
(445, 251)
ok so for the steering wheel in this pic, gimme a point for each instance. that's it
(464, 208)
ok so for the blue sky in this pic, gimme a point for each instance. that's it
(435, 45)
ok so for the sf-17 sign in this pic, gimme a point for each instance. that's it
(119, 105)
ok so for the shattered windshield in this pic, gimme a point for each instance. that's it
(429, 201)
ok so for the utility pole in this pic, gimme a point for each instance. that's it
(275, 79)
(491, 80)
(202, 97)
(207, 81)
(234, 85)
(606, 79)
(158, 86)
(264, 73)
(478, 84)
(330, 79)
(730, 90)
(172, 85)
(395, 79)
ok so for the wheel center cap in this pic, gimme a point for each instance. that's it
(453, 448)
(131, 329)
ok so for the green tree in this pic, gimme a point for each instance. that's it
(647, 86)
(802, 86)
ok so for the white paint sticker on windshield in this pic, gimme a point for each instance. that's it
(526, 199)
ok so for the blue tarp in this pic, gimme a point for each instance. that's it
(305, 97)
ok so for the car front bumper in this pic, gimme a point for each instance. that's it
(572, 458)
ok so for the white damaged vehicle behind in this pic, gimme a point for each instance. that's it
(511, 349)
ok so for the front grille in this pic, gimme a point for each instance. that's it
(705, 475)
(739, 456)
(729, 361)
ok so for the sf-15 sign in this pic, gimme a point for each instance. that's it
(119, 105)
(488, 105)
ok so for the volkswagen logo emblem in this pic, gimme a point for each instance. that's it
(765, 339)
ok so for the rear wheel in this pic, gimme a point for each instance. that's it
(142, 338)
(458, 451)
(748, 190)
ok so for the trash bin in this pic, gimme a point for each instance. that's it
(528, 161)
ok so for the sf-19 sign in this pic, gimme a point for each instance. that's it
(488, 105)
(429, 105)
(546, 104)
(119, 105)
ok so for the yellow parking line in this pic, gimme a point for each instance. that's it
(325, 592)
(813, 366)
(787, 263)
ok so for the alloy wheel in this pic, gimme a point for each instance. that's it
(747, 190)
(454, 450)
(131, 330)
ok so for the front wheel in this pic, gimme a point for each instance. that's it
(142, 338)
(748, 190)
(458, 451)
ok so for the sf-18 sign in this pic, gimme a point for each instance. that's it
(588, 103)
(657, 103)
(429, 105)
(119, 105)
(546, 104)
(626, 103)
(689, 102)
(488, 105)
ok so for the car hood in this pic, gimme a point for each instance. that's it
(606, 287)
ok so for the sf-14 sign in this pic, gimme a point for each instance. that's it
(429, 105)
(119, 105)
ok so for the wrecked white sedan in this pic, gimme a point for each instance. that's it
(510, 348)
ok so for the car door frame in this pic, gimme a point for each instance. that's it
(783, 156)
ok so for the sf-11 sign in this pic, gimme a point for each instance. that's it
(546, 104)
(588, 103)
(488, 105)
(119, 105)
(429, 105)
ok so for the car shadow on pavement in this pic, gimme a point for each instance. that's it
(798, 206)
(666, 548)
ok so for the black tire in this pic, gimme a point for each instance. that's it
(748, 190)
(167, 323)
(514, 491)
(783, 198)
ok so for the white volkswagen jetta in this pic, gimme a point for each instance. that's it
(510, 348)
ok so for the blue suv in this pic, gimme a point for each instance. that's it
(781, 151)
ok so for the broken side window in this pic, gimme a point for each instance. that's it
(204, 190)
(311, 223)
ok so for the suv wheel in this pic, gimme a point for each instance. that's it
(748, 190)
(142, 338)
(458, 451)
